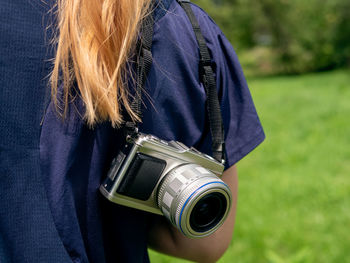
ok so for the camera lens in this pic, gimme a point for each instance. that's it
(194, 200)
(208, 212)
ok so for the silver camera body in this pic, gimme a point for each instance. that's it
(170, 179)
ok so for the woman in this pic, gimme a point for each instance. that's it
(92, 83)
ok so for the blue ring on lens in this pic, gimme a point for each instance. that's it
(216, 182)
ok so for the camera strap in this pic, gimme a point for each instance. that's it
(208, 80)
(206, 74)
(143, 66)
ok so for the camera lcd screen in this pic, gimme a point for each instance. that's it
(142, 176)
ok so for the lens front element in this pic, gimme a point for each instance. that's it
(208, 211)
(194, 199)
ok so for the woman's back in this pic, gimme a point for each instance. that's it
(74, 158)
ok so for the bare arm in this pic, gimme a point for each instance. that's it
(164, 238)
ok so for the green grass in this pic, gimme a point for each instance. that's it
(294, 189)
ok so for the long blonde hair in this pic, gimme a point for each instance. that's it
(95, 39)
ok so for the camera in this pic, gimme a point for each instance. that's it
(170, 179)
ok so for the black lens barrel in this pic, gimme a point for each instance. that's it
(208, 212)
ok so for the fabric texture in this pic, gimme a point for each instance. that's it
(27, 230)
(51, 208)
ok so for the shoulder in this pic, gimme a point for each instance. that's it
(174, 31)
(171, 10)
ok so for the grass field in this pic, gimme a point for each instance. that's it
(294, 189)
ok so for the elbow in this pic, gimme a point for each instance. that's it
(217, 250)
(220, 252)
(211, 254)
(211, 248)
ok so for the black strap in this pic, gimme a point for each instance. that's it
(208, 80)
(144, 63)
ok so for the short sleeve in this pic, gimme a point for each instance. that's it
(243, 130)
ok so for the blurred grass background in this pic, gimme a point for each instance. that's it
(294, 189)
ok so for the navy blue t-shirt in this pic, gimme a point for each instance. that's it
(74, 158)
(27, 231)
